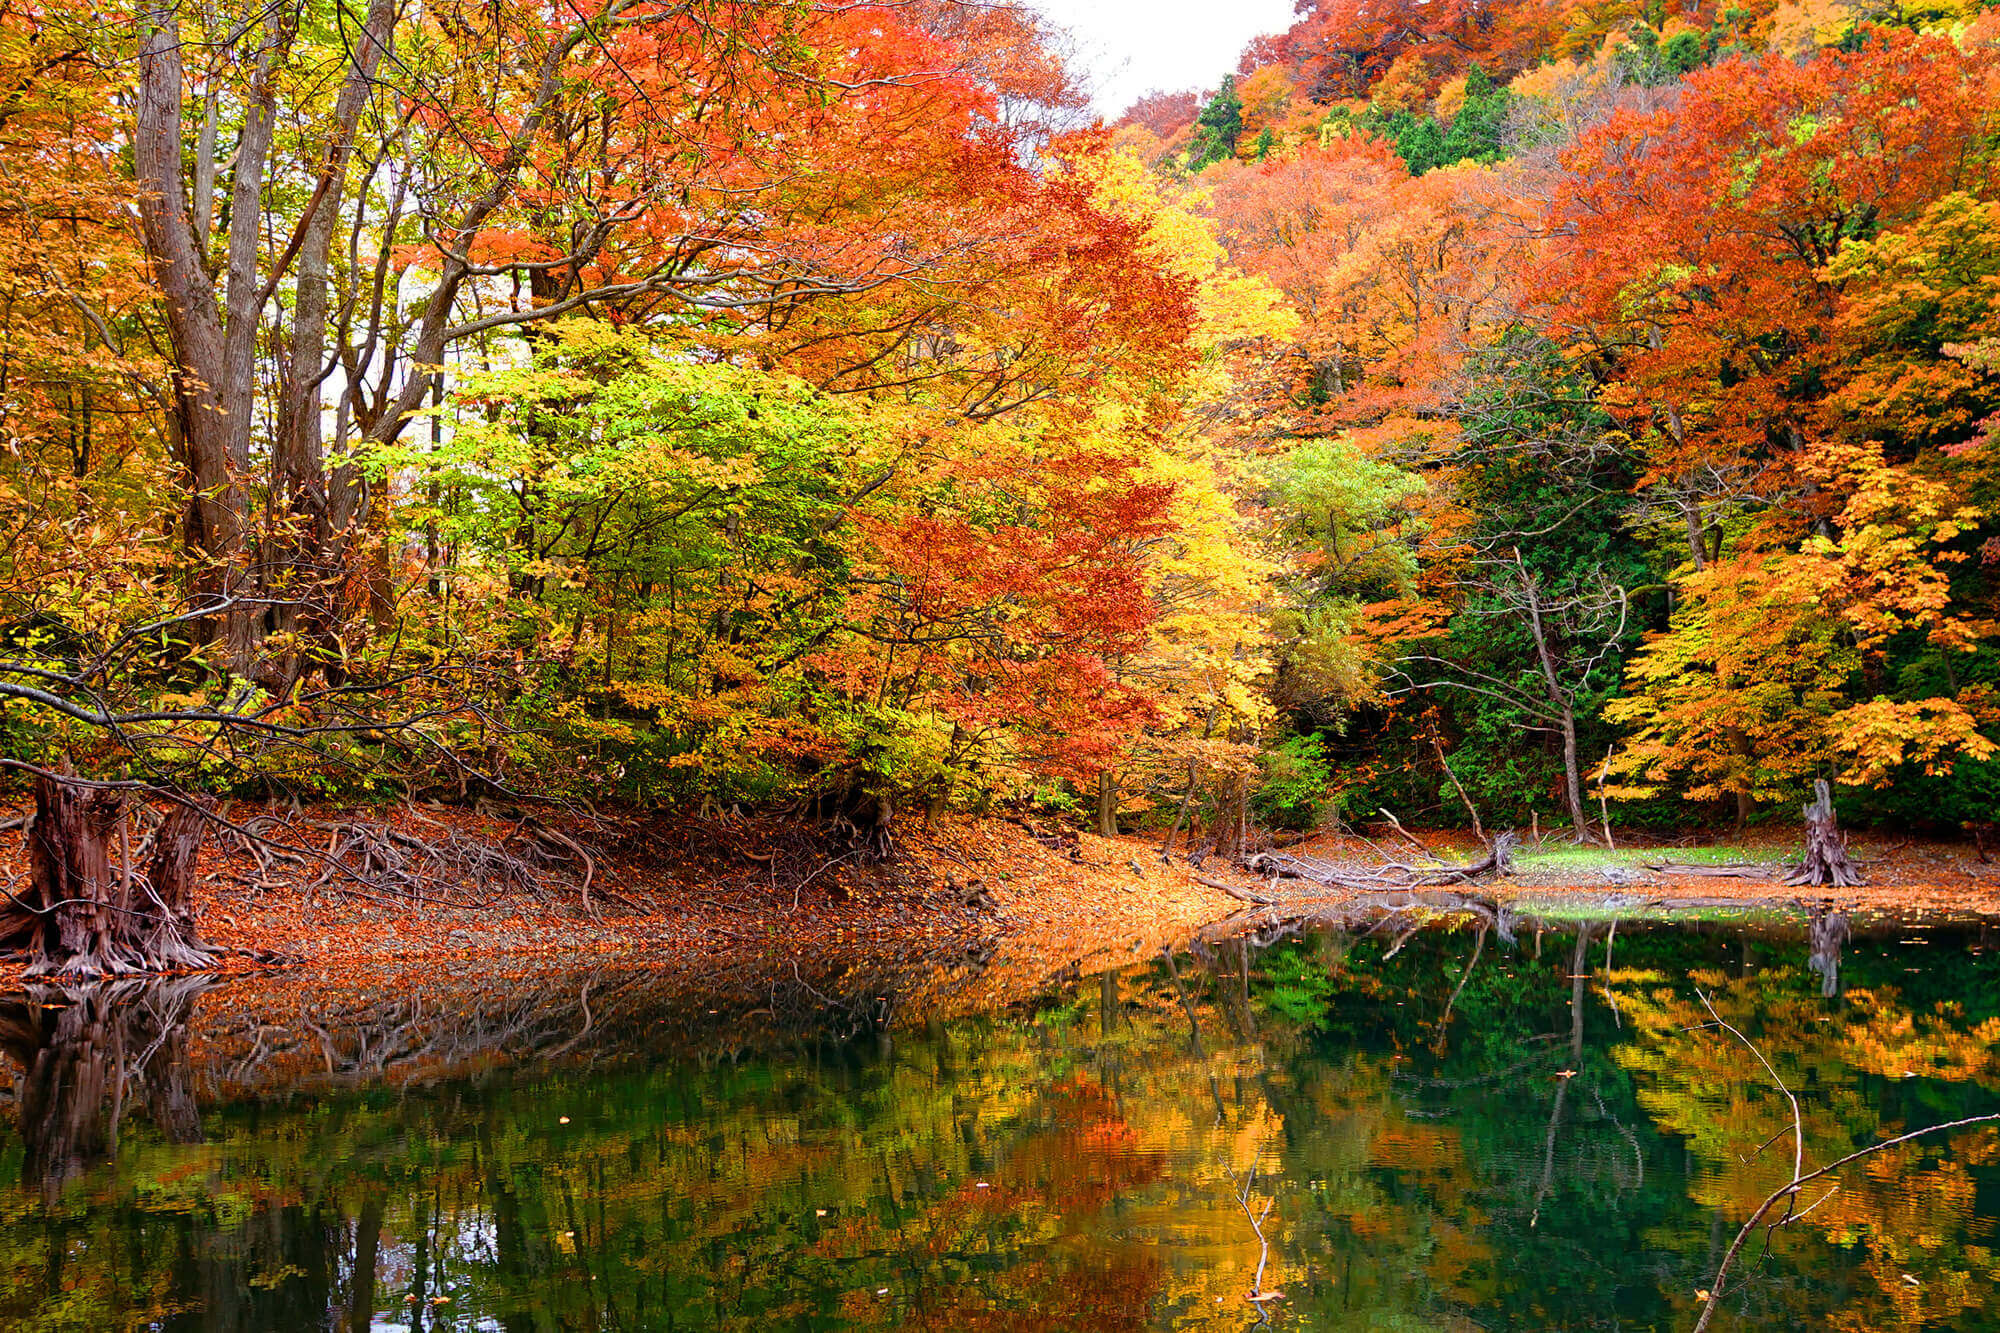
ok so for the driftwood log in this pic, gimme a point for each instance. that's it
(1499, 860)
(1337, 896)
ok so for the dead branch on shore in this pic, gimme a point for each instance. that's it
(1709, 872)
(1240, 894)
(1351, 897)
(1391, 874)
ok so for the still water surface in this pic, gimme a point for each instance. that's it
(1544, 1139)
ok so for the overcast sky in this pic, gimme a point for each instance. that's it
(1133, 46)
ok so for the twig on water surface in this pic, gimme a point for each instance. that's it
(1788, 1193)
(1798, 1120)
(1257, 1296)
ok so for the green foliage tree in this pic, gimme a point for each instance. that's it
(1218, 127)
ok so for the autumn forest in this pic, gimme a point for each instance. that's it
(1475, 410)
(758, 663)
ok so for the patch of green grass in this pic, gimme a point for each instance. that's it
(1569, 858)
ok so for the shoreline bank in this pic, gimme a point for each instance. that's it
(502, 888)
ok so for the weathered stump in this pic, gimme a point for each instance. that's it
(1826, 861)
(170, 937)
(90, 911)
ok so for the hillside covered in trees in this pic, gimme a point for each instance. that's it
(1487, 411)
(1635, 432)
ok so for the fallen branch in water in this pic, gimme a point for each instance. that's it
(1788, 1193)
(1257, 1296)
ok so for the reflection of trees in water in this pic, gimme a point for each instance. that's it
(708, 1008)
(1522, 1171)
(1827, 931)
(86, 1054)
(555, 1195)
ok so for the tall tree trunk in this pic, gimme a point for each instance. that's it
(311, 510)
(214, 345)
(1559, 701)
(1746, 803)
(1573, 779)
(1107, 804)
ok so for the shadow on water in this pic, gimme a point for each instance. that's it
(1436, 1119)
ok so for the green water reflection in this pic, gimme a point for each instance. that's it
(1539, 1142)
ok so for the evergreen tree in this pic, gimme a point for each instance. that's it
(1218, 127)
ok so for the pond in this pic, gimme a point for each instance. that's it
(1433, 1129)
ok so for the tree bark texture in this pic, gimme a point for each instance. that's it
(1826, 860)
(90, 910)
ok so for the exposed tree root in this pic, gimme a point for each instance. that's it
(450, 869)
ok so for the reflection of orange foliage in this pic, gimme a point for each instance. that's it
(1044, 1294)
(1088, 1157)
(1895, 1043)
(1908, 1206)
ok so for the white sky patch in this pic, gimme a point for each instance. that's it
(1130, 47)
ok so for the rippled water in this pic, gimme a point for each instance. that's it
(1545, 1137)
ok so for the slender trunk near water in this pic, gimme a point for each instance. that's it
(1573, 779)
(1739, 745)
(1180, 816)
(1559, 700)
(1478, 831)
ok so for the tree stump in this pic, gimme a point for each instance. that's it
(89, 910)
(170, 938)
(1826, 860)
